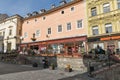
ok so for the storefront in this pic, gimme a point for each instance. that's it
(104, 42)
(60, 46)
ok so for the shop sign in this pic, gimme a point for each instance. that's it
(110, 38)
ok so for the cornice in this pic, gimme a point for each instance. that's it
(93, 3)
(103, 16)
(11, 17)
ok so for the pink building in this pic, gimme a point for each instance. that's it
(61, 29)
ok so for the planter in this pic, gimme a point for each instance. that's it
(52, 67)
(68, 69)
(35, 65)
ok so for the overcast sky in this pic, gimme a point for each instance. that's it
(23, 7)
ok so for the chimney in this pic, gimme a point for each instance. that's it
(62, 2)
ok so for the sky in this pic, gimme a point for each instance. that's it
(22, 7)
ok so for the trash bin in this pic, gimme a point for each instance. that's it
(35, 65)
(91, 68)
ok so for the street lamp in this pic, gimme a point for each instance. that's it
(109, 50)
(7, 43)
(33, 38)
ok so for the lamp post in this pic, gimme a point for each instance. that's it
(109, 50)
(21, 38)
(7, 43)
(33, 39)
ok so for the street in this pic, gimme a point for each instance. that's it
(27, 72)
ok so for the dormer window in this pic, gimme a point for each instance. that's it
(63, 2)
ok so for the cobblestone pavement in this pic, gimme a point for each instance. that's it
(6, 68)
(45, 74)
(23, 72)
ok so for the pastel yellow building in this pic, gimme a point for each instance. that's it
(103, 23)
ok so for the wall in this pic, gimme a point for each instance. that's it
(75, 63)
(54, 19)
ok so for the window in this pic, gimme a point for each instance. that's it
(72, 8)
(93, 11)
(62, 12)
(44, 18)
(68, 26)
(20, 32)
(106, 7)
(79, 24)
(37, 33)
(10, 32)
(100, 44)
(3, 33)
(25, 35)
(108, 28)
(49, 30)
(118, 2)
(0, 33)
(59, 28)
(27, 22)
(35, 20)
(95, 30)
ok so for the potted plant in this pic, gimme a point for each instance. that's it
(52, 66)
(68, 68)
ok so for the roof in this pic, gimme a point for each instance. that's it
(54, 9)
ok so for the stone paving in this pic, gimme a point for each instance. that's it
(27, 72)
(45, 74)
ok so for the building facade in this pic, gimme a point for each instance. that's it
(103, 23)
(61, 29)
(10, 31)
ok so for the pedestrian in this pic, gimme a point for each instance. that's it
(45, 62)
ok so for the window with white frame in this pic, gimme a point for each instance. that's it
(119, 44)
(100, 44)
(25, 35)
(93, 11)
(118, 3)
(95, 30)
(49, 30)
(10, 32)
(68, 26)
(108, 28)
(79, 24)
(59, 28)
(37, 33)
(106, 7)
(0, 33)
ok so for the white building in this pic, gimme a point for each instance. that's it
(10, 29)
